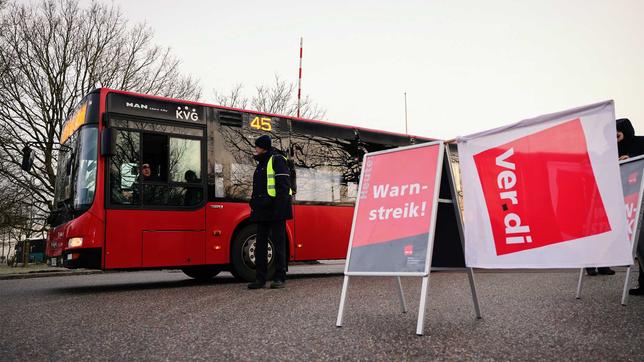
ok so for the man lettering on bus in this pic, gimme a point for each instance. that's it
(270, 208)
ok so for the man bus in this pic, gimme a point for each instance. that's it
(147, 182)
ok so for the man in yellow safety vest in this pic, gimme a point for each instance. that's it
(270, 208)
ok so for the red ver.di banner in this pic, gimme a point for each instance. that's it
(545, 193)
(396, 211)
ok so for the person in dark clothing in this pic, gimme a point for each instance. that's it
(193, 194)
(601, 270)
(630, 145)
(132, 194)
(270, 206)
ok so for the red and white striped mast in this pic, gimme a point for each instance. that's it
(299, 82)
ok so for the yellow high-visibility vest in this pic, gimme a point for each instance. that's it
(270, 178)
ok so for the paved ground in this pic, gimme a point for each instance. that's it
(162, 315)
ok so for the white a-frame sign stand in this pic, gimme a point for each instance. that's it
(632, 175)
(407, 221)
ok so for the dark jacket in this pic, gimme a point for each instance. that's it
(264, 207)
(631, 145)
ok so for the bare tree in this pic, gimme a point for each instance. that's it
(51, 54)
(15, 217)
(11, 205)
(279, 98)
(233, 99)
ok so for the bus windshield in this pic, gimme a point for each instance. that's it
(76, 176)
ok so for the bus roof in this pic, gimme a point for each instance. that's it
(110, 90)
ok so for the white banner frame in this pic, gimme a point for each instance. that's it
(481, 250)
(443, 152)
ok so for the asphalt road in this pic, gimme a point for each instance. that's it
(162, 315)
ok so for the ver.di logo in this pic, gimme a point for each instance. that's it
(540, 189)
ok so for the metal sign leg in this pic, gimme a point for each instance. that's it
(581, 278)
(421, 308)
(343, 297)
(475, 297)
(626, 283)
(403, 303)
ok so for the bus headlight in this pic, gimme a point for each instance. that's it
(75, 242)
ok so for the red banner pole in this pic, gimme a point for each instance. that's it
(299, 81)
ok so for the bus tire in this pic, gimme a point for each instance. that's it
(202, 272)
(242, 254)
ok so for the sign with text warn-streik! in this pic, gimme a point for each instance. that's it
(545, 193)
(395, 212)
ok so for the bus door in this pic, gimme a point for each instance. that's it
(156, 195)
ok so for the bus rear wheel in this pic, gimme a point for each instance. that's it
(201, 272)
(242, 256)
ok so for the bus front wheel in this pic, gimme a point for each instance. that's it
(242, 256)
(202, 272)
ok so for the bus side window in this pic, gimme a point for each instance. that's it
(325, 161)
(124, 188)
(185, 160)
(185, 167)
(231, 148)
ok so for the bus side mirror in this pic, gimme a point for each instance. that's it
(50, 219)
(108, 142)
(27, 158)
(68, 165)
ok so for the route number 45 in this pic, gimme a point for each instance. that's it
(263, 123)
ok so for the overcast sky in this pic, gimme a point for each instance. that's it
(466, 66)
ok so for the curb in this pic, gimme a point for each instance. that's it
(45, 274)
(63, 273)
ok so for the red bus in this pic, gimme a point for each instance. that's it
(147, 182)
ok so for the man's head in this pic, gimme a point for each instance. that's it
(262, 144)
(620, 136)
(625, 129)
(145, 170)
(190, 176)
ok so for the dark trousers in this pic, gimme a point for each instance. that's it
(277, 231)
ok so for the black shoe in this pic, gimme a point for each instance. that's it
(277, 284)
(256, 285)
(636, 291)
(591, 271)
(605, 271)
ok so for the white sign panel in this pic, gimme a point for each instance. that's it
(545, 193)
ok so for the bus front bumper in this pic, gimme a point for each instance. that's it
(89, 258)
